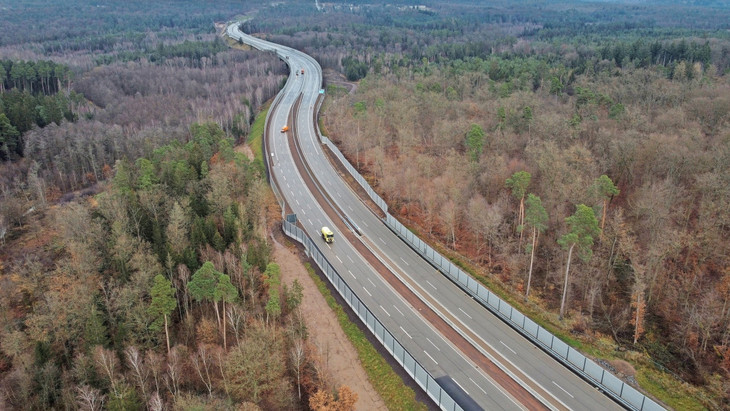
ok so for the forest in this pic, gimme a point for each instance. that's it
(135, 258)
(538, 144)
(542, 148)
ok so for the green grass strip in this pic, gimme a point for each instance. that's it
(256, 135)
(390, 387)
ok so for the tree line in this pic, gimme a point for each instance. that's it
(37, 77)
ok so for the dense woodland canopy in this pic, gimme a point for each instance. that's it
(541, 141)
(136, 267)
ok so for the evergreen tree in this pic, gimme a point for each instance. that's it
(583, 228)
(537, 218)
(475, 142)
(226, 292)
(162, 305)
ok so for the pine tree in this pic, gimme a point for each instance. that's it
(162, 305)
(583, 227)
(536, 217)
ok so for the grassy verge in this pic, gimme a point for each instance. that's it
(675, 394)
(256, 135)
(390, 387)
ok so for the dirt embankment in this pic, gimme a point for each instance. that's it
(325, 332)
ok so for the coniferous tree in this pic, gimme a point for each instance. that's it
(583, 228)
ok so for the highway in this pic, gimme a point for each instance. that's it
(449, 334)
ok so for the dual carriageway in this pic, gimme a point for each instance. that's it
(452, 336)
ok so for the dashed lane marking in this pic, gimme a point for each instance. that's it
(507, 346)
(478, 386)
(556, 384)
(409, 336)
(429, 356)
(457, 382)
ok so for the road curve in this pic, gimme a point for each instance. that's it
(447, 332)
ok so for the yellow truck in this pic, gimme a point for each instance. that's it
(328, 235)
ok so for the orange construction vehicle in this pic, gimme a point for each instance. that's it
(285, 129)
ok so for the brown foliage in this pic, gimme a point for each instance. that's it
(654, 276)
(323, 400)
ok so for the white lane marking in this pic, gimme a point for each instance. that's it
(429, 356)
(457, 382)
(304, 212)
(338, 258)
(297, 202)
(429, 283)
(351, 260)
(329, 246)
(556, 384)
(310, 221)
(366, 224)
(381, 307)
(292, 193)
(409, 336)
(287, 185)
(465, 313)
(434, 345)
(353, 275)
(350, 208)
(397, 309)
(338, 194)
(382, 240)
(366, 290)
(475, 383)
(371, 282)
(507, 346)
(404, 261)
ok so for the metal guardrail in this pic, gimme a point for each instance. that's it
(419, 374)
(363, 183)
(614, 387)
